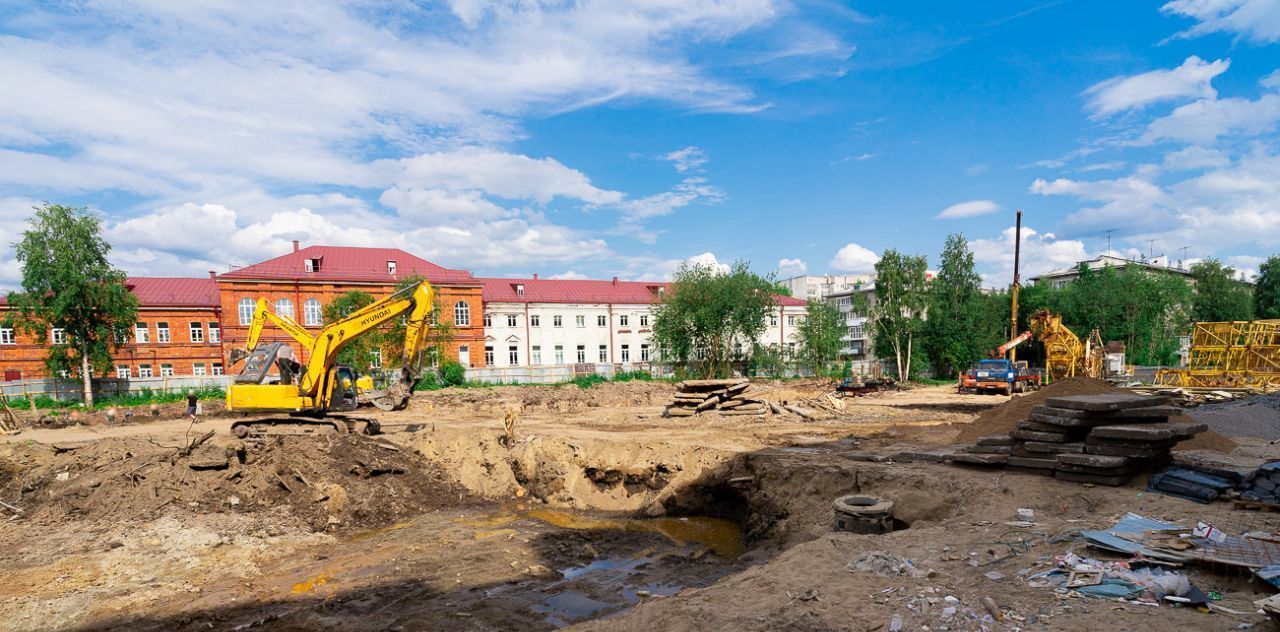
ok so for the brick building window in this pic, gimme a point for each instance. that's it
(536, 355)
(162, 332)
(582, 354)
(644, 353)
(197, 369)
(622, 320)
(245, 308)
(602, 321)
(488, 321)
(535, 321)
(122, 372)
(166, 370)
(197, 331)
(284, 307)
(559, 354)
(557, 321)
(626, 353)
(215, 332)
(144, 370)
(511, 320)
(462, 314)
(58, 336)
(7, 337)
(311, 312)
(513, 355)
(141, 334)
(217, 368)
(488, 355)
(604, 353)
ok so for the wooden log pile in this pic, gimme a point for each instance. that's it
(1103, 439)
(728, 398)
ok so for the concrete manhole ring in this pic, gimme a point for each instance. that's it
(867, 506)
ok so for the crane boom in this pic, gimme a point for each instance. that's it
(1004, 348)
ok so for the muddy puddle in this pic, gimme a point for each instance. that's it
(506, 568)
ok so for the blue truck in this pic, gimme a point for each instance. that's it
(1002, 376)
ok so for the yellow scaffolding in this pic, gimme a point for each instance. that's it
(1230, 354)
(1065, 354)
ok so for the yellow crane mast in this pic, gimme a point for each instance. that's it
(1065, 354)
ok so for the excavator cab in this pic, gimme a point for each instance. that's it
(345, 394)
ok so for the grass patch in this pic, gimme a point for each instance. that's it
(144, 397)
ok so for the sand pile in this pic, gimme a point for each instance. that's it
(1004, 418)
(558, 398)
(327, 482)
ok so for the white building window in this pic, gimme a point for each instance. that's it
(622, 320)
(217, 368)
(196, 331)
(197, 369)
(122, 372)
(644, 320)
(511, 320)
(582, 354)
(488, 321)
(391, 268)
(557, 321)
(166, 370)
(245, 307)
(162, 332)
(311, 312)
(488, 355)
(580, 320)
(215, 332)
(602, 321)
(559, 354)
(141, 334)
(535, 321)
(626, 353)
(144, 370)
(604, 353)
(773, 320)
(7, 337)
(284, 307)
(791, 321)
(536, 355)
(644, 353)
(375, 359)
(58, 336)
(462, 314)
(513, 355)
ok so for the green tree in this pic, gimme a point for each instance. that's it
(961, 326)
(1219, 296)
(1266, 290)
(819, 334)
(68, 284)
(387, 342)
(897, 314)
(361, 352)
(439, 336)
(708, 317)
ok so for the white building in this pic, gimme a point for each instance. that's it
(545, 322)
(816, 288)
(1061, 277)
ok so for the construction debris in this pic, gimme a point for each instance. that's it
(1103, 438)
(727, 397)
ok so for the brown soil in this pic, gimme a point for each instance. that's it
(337, 482)
(1002, 419)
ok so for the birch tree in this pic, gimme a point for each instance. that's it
(898, 312)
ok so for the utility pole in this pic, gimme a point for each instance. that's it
(1013, 311)
(1109, 231)
(1182, 262)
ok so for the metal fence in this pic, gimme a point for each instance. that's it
(554, 374)
(71, 390)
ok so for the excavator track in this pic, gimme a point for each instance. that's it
(293, 426)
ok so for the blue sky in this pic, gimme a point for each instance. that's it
(593, 139)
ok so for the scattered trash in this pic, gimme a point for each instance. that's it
(1026, 515)
(884, 563)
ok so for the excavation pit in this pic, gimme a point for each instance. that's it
(857, 513)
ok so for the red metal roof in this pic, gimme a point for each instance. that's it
(174, 291)
(350, 264)
(583, 291)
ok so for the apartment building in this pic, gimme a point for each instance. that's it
(538, 322)
(819, 287)
(178, 333)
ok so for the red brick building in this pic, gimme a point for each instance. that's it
(299, 284)
(177, 333)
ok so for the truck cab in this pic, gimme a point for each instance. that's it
(996, 375)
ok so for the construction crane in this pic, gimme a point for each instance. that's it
(323, 387)
(999, 352)
(1066, 355)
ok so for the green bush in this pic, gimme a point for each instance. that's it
(429, 381)
(628, 376)
(587, 381)
(452, 373)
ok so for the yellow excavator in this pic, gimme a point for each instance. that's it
(323, 387)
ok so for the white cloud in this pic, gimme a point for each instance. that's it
(977, 169)
(708, 259)
(569, 275)
(688, 159)
(854, 258)
(1040, 253)
(1193, 157)
(502, 174)
(971, 208)
(1255, 20)
(1193, 79)
(1205, 121)
(791, 267)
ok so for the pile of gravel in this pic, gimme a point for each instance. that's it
(1256, 416)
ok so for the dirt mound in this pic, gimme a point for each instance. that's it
(328, 482)
(1003, 418)
(558, 398)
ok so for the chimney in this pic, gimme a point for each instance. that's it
(615, 280)
(295, 245)
(535, 276)
(213, 275)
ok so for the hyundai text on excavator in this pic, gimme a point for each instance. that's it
(322, 386)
